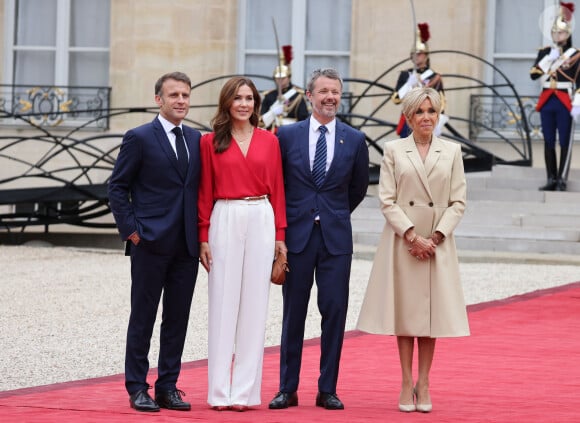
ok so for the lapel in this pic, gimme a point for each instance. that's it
(304, 142)
(434, 155)
(339, 146)
(191, 148)
(415, 158)
(163, 141)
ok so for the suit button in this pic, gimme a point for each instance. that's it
(411, 203)
(312, 211)
(431, 204)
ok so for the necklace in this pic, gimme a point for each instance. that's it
(422, 143)
(241, 137)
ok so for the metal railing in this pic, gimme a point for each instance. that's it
(490, 116)
(65, 180)
(55, 106)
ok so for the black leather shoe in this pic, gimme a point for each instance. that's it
(329, 401)
(172, 400)
(141, 401)
(561, 185)
(284, 400)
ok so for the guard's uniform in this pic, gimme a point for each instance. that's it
(294, 103)
(558, 68)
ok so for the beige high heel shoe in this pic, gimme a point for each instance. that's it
(423, 408)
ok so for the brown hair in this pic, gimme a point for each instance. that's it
(222, 121)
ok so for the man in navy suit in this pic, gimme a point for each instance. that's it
(320, 196)
(153, 197)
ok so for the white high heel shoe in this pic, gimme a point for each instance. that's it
(423, 408)
(408, 408)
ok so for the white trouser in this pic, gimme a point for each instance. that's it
(241, 239)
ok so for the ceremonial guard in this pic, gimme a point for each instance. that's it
(420, 75)
(286, 103)
(558, 68)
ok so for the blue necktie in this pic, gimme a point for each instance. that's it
(319, 165)
(182, 160)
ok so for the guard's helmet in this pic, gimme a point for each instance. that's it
(564, 20)
(283, 70)
(421, 38)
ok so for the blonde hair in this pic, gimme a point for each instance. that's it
(412, 101)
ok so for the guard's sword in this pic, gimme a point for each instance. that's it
(280, 64)
(566, 167)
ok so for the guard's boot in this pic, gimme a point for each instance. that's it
(551, 169)
(561, 182)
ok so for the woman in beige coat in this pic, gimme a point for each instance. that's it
(414, 290)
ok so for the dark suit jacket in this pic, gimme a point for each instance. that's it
(148, 195)
(344, 186)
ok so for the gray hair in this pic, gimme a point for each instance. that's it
(330, 73)
(178, 76)
(412, 101)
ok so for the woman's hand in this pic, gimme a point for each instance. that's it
(422, 248)
(205, 255)
(280, 248)
(419, 247)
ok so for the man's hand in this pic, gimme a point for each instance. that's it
(134, 238)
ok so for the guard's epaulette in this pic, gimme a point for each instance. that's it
(265, 93)
(299, 90)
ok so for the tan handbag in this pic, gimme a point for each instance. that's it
(279, 269)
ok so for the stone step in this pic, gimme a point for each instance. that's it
(518, 177)
(494, 244)
(510, 232)
(518, 245)
(507, 172)
(506, 229)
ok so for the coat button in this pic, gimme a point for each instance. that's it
(411, 203)
(431, 204)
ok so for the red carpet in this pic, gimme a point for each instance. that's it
(520, 364)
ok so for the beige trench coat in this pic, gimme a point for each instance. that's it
(406, 296)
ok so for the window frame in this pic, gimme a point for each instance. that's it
(62, 49)
(298, 42)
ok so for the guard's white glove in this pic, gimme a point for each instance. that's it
(575, 112)
(443, 119)
(412, 81)
(277, 109)
(554, 53)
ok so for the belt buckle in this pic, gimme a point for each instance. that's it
(255, 198)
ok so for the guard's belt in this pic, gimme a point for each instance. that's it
(563, 85)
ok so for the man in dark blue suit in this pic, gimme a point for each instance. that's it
(153, 197)
(326, 175)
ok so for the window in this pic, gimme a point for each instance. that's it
(318, 30)
(57, 42)
(56, 59)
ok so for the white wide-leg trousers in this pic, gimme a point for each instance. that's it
(242, 242)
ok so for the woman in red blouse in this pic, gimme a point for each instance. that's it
(242, 221)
